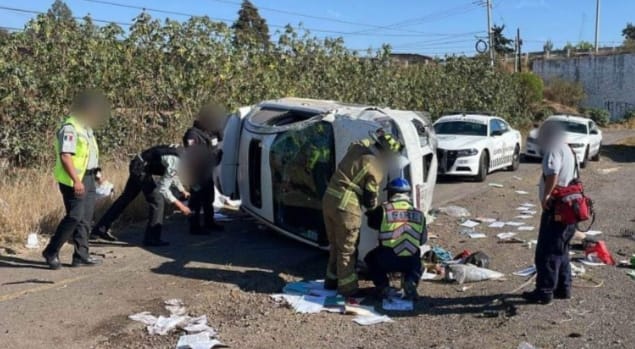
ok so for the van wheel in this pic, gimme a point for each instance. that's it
(585, 162)
(516, 159)
(483, 167)
(596, 157)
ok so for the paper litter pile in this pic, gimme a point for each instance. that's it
(310, 297)
(199, 334)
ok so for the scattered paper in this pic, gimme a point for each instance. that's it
(105, 189)
(486, 220)
(428, 276)
(470, 224)
(576, 271)
(476, 235)
(145, 318)
(522, 192)
(496, 185)
(530, 212)
(608, 170)
(528, 204)
(526, 272)
(497, 225)
(163, 325)
(302, 304)
(32, 241)
(590, 263)
(505, 236)
(526, 228)
(197, 341)
(515, 224)
(454, 211)
(517, 178)
(522, 208)
(371, 319)
(524, 216)
(397, 304)
(593, 233)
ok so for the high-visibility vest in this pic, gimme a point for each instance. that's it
(80, 158)
(401, 228)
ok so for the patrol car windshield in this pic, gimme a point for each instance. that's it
(465, 128)
(570, 126)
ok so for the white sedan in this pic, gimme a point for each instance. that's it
(582, 134)
(475, 145)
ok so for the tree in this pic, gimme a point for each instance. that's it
(629, 32)
(584, 46)
(548, 46)
(250, 29)
(60, 11)
(501, 44)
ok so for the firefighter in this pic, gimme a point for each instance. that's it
(401, 231)
(553, 269)
(318, 162)
(164, 163)
(206, 133)
(354, 184)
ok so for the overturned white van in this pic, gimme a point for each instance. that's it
(265, 155)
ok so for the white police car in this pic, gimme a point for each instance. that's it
(265, 152)
(582, 134)
(475, 145)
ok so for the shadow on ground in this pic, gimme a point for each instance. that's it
(619, 152)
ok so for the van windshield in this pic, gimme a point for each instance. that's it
(570, 126)
(460, 128)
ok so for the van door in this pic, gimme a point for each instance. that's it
(231, 150)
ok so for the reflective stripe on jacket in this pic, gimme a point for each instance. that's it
(357, 174)
(80, 157)
(402, 228)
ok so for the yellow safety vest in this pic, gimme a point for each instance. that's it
(80, 158)
(401, 228)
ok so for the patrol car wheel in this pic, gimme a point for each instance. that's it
(515, 160)
(596, 157)
(483, 167)
(586, 159)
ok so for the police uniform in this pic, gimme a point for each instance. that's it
(76, 139)
(355, 183)
(203, 188)
(162, 162)
(401, 231)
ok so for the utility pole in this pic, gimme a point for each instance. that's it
(597, 26)
(489, 32)
(517, 57)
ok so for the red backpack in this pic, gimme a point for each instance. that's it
(571, 205)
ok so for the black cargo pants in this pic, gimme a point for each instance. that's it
(553, 268)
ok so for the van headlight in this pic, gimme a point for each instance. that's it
(576, 145)
(466, 152)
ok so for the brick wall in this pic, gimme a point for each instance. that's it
(609, 81)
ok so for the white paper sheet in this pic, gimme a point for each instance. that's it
(428, 276)
(528, 204)
(529, 212)
(496, 185)
(470, 223)
(397, 304)
(197, 341)
(514, 224)
(486, 219)
(526, 228)
(524, 216)
(371, 319)
(302, 304)
(593, 233)
(526, 272)
(505, 236)
(521, 192)
(497, 225)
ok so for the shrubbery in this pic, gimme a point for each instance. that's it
(564, 92)
(158, 74)
(602, 117)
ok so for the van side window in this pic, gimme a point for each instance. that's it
(421, 132)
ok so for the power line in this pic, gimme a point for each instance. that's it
(20, 10)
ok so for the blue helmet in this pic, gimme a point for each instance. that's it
(399, 185)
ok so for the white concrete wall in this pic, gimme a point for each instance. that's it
(609, 81)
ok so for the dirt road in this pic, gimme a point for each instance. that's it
(230, 276)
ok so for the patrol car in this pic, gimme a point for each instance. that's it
(265, 152)
(475, 145)
(582, 134)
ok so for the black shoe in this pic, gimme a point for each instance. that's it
(104, 235)
(566, 294)
(359, 293)
(410, 291)
(330, 284)
(214, 227)
(87, 262)
(52, 261)
(155, 243)
(537, 297)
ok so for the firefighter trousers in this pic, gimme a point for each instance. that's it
(342, 230)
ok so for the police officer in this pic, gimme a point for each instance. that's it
(77, 161)
(206, 133)
(553, 270)
(163, 162)
(401, 232)
(354, 184)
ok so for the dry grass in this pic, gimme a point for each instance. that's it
(30, 201)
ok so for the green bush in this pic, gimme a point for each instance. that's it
(602, 117)
(564, 92)
(629, 115)
(532, 86)
(158, 73)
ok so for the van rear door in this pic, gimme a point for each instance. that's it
(231, 150)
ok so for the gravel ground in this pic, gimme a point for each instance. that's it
(231, 276)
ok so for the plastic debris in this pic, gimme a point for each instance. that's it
(496, 185)
(32, 241)
(577, 271)
(592, 233)
(599, 251)
(397, 304)
(529, 271)
(497, 225)
(105, 189)
(522, 192)
(470, 224)
(197, 341)
(479, 259)
(454, 211)
(463, 273)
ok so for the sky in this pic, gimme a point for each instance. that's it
(430, 27)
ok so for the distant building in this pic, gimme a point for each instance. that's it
(411, 58)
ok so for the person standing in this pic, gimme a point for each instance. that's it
(77, 161)
(206, 132)
(553, 269)
(354, 184)
(162, 162)
(402, 229)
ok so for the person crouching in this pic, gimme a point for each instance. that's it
(402, 229)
